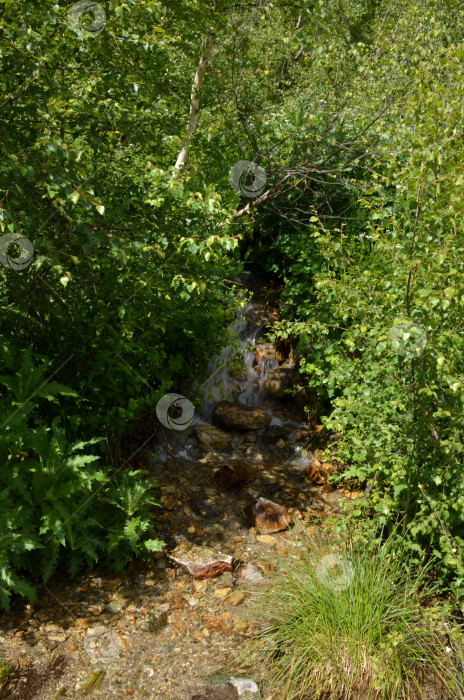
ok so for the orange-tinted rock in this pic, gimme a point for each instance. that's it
(316, 473)
(201, 562)
(267, 516)
(329, 468)
(213, 624)
(265, 353)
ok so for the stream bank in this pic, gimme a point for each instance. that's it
(167, 630)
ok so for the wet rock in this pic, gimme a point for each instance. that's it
(177, 602)
(57, 637)
(102, 644)
(265, 353)
(235, 416)
(170, 496)
(201, 562)
(213, 459)
(235, 598)
(246, 688)
(303, 434)
(267, 539)
(206, 508)
(227, 579)
(155, 621)
(213, 624)
(275, 433)
(251, 576)
(268, 517)
(226, 693)
(278, 381)
(211, 437)
(234, 474)
(316, 473)
(261, 316)
(240, 625)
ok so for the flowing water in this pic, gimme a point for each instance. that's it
(241, 374)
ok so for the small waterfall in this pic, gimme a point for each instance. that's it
(239, 375)
(233, 376)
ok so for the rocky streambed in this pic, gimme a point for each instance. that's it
(251, 465)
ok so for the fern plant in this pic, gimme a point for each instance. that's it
(58, 504)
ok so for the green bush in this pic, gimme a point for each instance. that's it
(375, 307)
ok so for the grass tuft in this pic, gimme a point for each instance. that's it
(93, 682)
(346, 621)
(5, 670)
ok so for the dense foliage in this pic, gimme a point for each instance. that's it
(354, 111)
(375, 298)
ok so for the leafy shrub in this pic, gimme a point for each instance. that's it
(396, 281)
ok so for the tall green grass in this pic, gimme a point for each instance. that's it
(346, 620)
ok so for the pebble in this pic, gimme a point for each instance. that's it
(113, 607)
(245, 687)
(240, 625)
(221, 593)
(235, 598)
(267, 539)
(81, 622)
(251, 576)
(57, 637)
(200, 585)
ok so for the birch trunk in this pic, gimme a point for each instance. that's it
(195, 100)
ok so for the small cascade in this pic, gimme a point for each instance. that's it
(236, 375)
(243, 374)
(249, 372)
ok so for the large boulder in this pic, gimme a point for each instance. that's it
(211, 437)
(236, 416)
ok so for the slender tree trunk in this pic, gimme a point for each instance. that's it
(195, 99)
